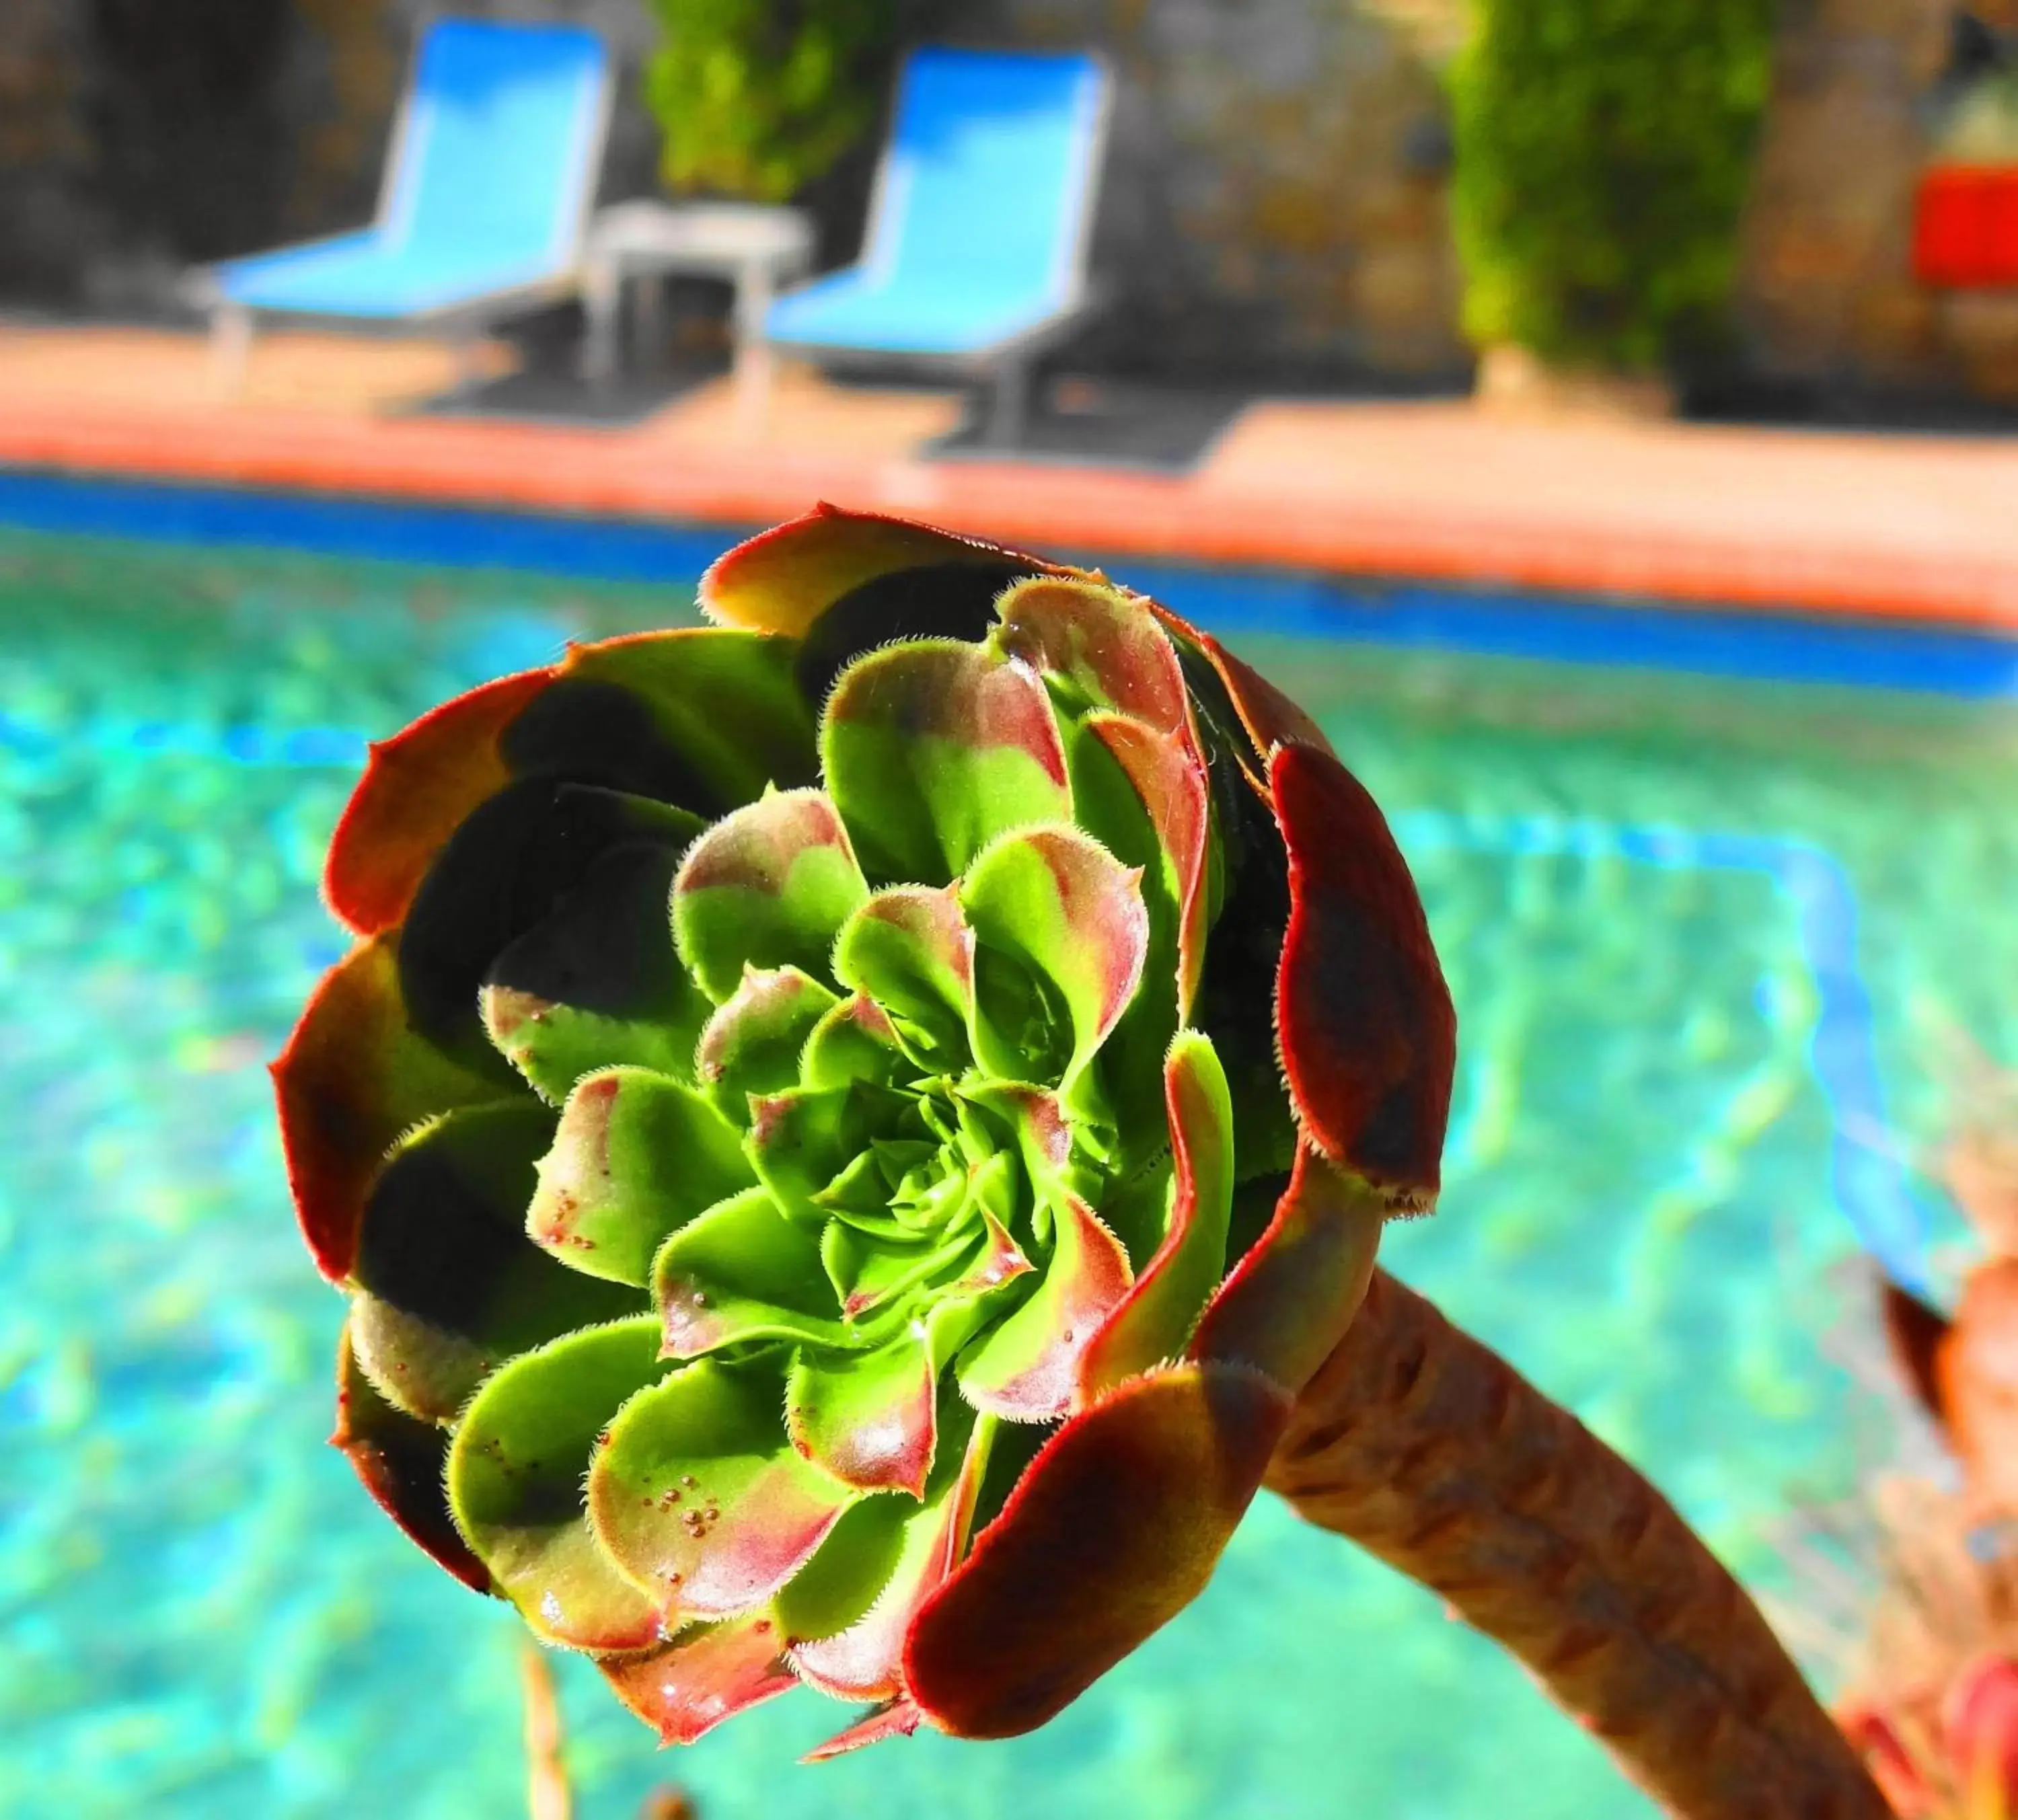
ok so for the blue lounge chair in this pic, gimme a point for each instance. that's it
(486, 196)
(975, 259)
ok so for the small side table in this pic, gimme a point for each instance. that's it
(757, 249)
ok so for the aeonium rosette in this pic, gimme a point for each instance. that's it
(846, 1130)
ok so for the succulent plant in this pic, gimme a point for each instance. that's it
(846, 1131)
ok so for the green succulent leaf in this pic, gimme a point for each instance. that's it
(1026, 1369)
(867, 1269)
(1142, 795)
(449, 1286)
(598, 982)
(932, 750)
(813, 1147)
(700, 1496)
(743, 1272)
(514, 1483)
(1169, 782)
(1061, 935)
(854, 1041)
(753, 1045)
(703, 718)
(867, 1419)
(1099, 647)
(768, 887)
(636, 1156)
(839, 1584)
(909, 949)
(1155, 1319)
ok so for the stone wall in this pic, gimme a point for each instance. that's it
(1274, 195)
(1826, 291)
(49, 221)
(1827, 294)
(122, 161)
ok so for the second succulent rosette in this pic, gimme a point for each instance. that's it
(846, 1131)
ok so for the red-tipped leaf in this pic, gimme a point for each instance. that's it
(1289, 1300)
(1368, 1038)
(685, 1688)
(353, 1078)
(417, 787)
(1113, 1529)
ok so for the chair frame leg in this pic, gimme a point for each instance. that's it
(1008, 405)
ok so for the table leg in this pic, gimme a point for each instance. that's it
(649, 300)
(601, 294)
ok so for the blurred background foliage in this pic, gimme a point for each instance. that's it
(1604, 150)
(757, 99)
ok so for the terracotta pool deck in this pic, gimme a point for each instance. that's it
(1909, 527)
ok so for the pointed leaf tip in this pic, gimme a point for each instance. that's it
(1105, 647)
(417, 787)
(932, 748)
(783, 578)
(897, 1718)
(767, 886)
(1027, 1369)
(684, 1688)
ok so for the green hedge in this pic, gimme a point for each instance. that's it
(756, 98)
(1604, 148)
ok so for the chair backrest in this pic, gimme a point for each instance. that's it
(991, 173)
(500, 143)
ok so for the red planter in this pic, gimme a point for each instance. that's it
(1966, 226)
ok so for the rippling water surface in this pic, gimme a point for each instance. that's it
(1714, 948)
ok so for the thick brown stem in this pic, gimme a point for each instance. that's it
(1429, 1450)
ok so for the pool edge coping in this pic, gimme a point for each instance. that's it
(487, 465)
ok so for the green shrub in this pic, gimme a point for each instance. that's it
(1604, 148)
(756, 98)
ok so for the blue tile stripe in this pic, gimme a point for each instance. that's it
(1638, 634)
(601, 549)
(1555, 628)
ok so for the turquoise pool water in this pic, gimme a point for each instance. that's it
(1713, 946)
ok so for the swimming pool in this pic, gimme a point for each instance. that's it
(1711, 941)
